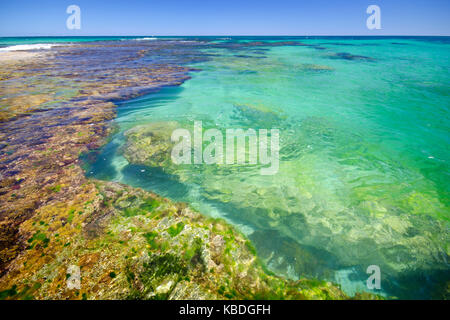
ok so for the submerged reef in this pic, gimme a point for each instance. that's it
(126, 242)
(303, 228)
(349, 56)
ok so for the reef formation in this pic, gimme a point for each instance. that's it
(127, 243)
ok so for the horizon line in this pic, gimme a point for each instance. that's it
(235, 35)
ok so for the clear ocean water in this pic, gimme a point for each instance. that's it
(364, 160)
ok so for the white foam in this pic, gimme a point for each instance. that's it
(148, 38)
(25, 47)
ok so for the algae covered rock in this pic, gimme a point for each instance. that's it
(147, 248)
(150, 144)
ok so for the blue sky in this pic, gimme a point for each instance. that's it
(230, 17)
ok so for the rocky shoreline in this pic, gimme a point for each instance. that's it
(128, 243)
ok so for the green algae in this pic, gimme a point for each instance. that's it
(176, 229)
(24, 294)
(71, 215)
(150, 237)
(8, 293)
(56, 188)
(149, 204)
(157, 268)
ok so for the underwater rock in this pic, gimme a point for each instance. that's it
(323, 231)
(349, 56)
(150, 144)
(316, 67)
(273, 44)
(256, 116)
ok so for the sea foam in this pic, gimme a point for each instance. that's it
(143, 39)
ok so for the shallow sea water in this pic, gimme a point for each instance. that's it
(364, 162)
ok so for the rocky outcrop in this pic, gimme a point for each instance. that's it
(132, 244)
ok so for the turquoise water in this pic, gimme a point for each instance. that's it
(364, 159)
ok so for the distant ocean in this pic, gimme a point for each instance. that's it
(14, 41)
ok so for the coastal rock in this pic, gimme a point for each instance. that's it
(150, 144)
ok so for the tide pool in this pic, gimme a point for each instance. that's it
(364, 157)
